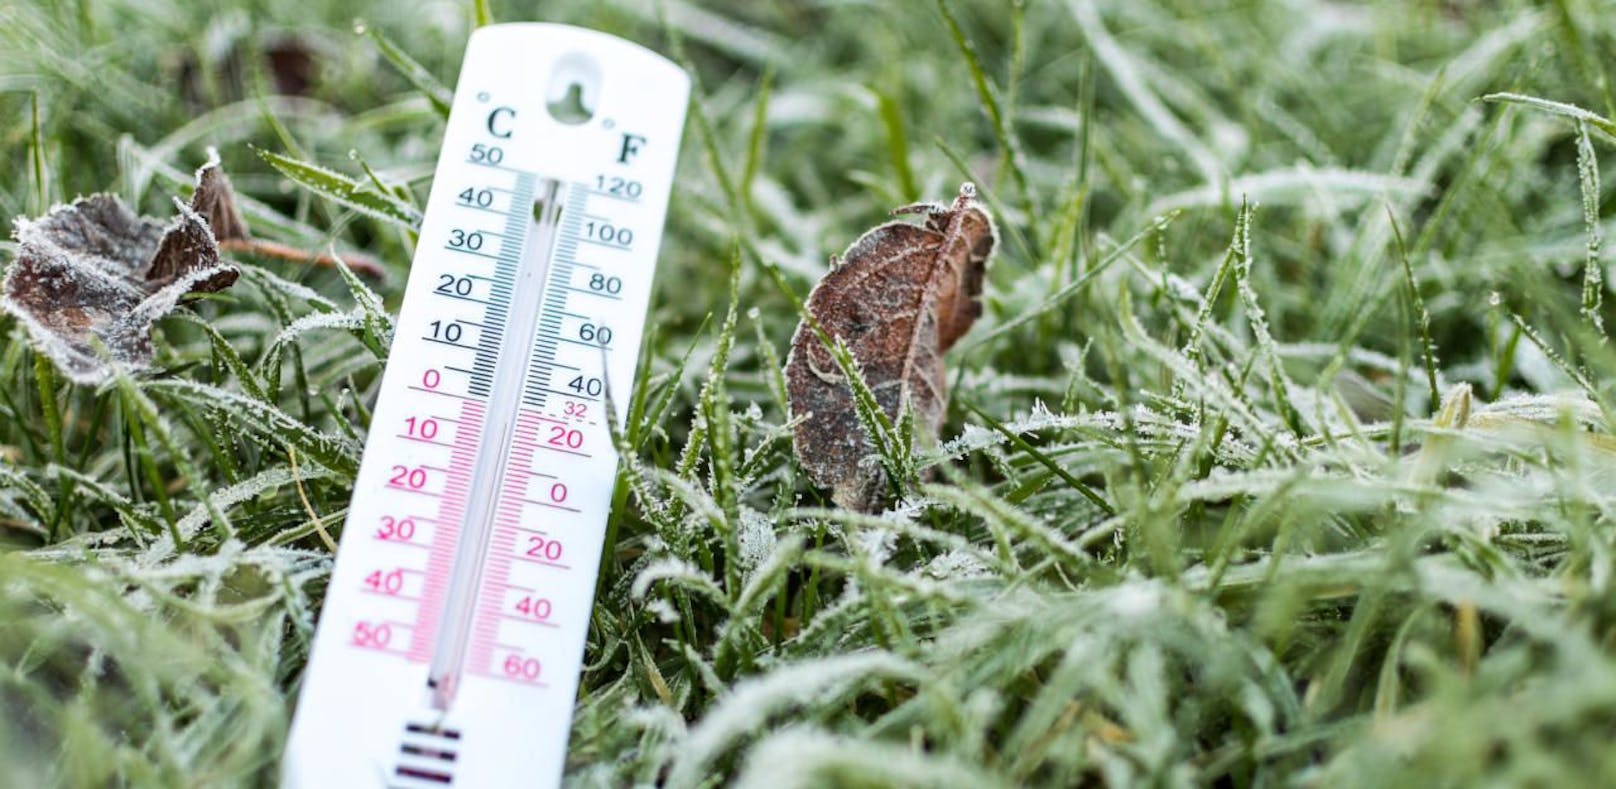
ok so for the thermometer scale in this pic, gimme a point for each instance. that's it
(451, 639)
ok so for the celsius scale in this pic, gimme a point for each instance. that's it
(449, 648)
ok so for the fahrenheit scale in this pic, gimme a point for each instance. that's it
(449, 647)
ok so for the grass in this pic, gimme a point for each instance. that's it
(1283, 454)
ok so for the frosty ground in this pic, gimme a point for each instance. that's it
(1282, 453)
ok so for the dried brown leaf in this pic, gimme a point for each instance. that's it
(91, 278)
(186, 248)
(215, 200)
(901, 295)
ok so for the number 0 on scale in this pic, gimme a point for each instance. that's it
(448, 650)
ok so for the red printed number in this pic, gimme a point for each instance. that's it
(395, 529)
(406, 477)
(565, 437)
(517, 667)
(421, 428)
(371, 635)
(536, 607)
(540, 548)
(386, 583)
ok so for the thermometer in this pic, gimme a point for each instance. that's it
(449, 648)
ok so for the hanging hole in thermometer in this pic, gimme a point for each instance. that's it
(574, 89)
(449, 646)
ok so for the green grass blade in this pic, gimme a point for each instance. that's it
(346, 191)
(436, 93)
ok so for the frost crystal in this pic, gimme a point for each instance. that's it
(956, 565)
(664, 610)
(756, 537)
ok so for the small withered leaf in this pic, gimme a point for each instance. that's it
(101, 228)
(187, 247)
(900, 297)
(91, 278)
(215, 200)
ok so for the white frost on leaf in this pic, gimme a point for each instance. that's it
(680, 572)
(246, 490)
(353, 320)
(91, 278)
(744, 711)
(957, 565)
(663, 610)
(755, 536)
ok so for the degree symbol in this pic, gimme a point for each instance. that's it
(482, 96)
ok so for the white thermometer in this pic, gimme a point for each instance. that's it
(449, 648)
